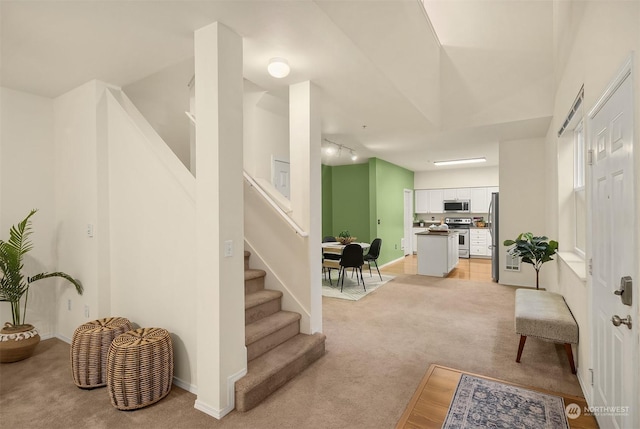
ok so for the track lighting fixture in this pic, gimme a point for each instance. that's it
(336, 149)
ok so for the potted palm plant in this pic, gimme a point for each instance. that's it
(533, 250)
(17, 339)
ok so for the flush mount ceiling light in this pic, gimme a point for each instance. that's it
(460, 161)
(278, 67)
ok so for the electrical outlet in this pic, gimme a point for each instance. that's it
(86, 311)
(90, 229)
(69, 304)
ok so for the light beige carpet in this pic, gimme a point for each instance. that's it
(377, 351)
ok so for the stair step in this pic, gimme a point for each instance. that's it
(273, 369)
(263, 303)
(253, 280)
(269, 332)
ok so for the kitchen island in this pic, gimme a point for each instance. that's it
(437, 252)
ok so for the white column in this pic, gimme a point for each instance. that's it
(221, 355)
(304, 152)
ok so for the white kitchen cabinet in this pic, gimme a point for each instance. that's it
(435, 201)
(453, 251)
(422, 201)
(463, 193)
(479, 242)
(449, 194)
(457, 194)
(429, 201)
(437, 253)
(414, 240)
(479, 200)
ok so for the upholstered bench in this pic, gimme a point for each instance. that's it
(545, 315)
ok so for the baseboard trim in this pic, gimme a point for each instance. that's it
(191, 388)
(219, 413)
(586, 389)
(393, 262)
(62, 338)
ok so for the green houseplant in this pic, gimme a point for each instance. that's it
(533, 250)
(345, 237)
(14, 285)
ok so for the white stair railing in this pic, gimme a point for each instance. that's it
(275, 205)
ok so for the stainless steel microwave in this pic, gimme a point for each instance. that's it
(456, 206)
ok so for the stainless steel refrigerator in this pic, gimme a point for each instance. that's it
(494, 219)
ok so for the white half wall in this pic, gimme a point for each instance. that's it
(162, 98)
(152, 239)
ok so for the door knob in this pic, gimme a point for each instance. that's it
(617, 321)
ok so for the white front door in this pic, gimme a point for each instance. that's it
(281, 176)
(614, 348)
(407, 243)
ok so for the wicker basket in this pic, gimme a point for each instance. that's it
(140, 368)
(346, 240)
(89, 349)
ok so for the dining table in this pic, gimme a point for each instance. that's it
(337, 245)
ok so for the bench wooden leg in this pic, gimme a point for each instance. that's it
(523, 338)
(567, 347)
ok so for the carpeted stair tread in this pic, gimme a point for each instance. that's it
(252, 274)
(257, 298)
(261, 304)
(268, 325)
(273, 369)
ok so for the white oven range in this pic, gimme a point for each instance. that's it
(461, 225)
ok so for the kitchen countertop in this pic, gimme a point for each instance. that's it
(443, 233)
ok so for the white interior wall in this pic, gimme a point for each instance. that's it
(152, 240)
(27, 182)
(76, 197)
(456, 178)
(266, 131)
(163, 98)
(595, 39)
(522, 201)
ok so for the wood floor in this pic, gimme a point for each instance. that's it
(429, 406)
(468, 269)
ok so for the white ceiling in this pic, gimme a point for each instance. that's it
(377, 62)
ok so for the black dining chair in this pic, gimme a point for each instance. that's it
(352, 257)
(330, 258)
(373, 254)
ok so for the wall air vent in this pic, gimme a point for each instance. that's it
(512, 263)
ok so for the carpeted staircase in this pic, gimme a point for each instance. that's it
(276, 350)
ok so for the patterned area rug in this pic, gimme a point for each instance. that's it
(481, 403)
(352, 291)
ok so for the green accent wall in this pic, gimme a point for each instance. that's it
(350, 201)
(354, 197)
(327, 201)
(388, 182)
